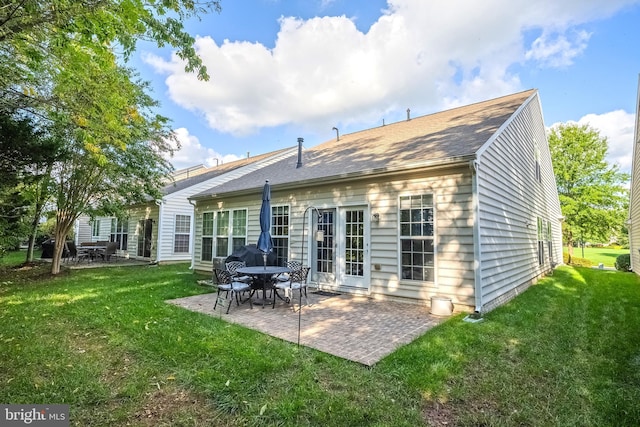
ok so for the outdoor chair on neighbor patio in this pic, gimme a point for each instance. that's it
(70, 251)
(109, 251)
(226, 283)
(233, 266)
(85, 252)
(297, 282)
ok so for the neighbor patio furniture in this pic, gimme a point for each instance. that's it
(83, 254)
(108, 251)
(232, 288)
(297, 281)
(70, 251)
(90, 250)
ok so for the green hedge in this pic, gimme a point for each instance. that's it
(623, 262)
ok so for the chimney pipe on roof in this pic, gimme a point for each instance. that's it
(408, 114)
(300, 141)
(337, 133)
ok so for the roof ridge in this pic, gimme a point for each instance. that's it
(443, 112)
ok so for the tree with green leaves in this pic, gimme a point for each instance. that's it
(61, 61)
(33, 32)
(26, 158)
(115, 145)
(593, 196)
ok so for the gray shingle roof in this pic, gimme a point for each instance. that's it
(217, 171)
(431, 139)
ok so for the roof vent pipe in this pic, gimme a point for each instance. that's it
(300, 141)
(337, 133)
(408, 114)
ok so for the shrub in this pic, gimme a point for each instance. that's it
(623, 262)
(576, 261)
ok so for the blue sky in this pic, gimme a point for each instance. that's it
(287, 69)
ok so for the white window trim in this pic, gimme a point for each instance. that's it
(433, 284)
(175, 233)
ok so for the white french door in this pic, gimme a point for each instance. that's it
(341, 259)
(352, 262)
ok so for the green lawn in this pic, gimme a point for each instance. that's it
(104, 341)
(605, 256)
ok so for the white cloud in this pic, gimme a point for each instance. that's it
(558, 50)
(618, 127)
(424, 55)
(192, 153)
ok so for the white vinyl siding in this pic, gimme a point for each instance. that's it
(451, 191)
(176, 204)
(510, 201)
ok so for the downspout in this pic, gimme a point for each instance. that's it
(159, 232)
(193, 239)
(477, 250)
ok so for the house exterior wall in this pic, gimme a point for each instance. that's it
(511, 198)
(454, 254)
(84, 229)
(177, 203)
(633, 222)
(170, 208)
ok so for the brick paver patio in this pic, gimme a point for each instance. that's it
(354, 328)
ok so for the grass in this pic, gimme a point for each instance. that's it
(606, 256)
(104, 341)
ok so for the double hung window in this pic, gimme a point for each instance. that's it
(417, 234)
(182, 234)
(280, 233)
(119, 233)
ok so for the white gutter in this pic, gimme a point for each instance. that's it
(193, 234)
(477, 250)
(159, 240)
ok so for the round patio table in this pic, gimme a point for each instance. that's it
(262, 278)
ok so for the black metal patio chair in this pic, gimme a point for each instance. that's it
(226, 283)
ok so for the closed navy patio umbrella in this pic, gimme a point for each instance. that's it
(265, 243)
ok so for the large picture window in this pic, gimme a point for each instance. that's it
(416, 237)
(120, 232)
(280, 233)
(182, 234)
